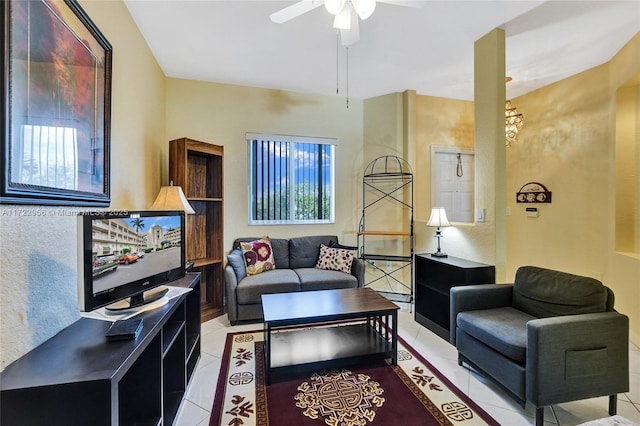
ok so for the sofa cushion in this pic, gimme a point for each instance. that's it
(321, 279)
(503, 329)
(546, 293)
(303, 251)
(258, 255)
(252, 287)
(335, 259)
(280, 247)
(237, 262)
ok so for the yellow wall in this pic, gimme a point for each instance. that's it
(447, 123)
(627, 206)
(386, 132)
(489, 98)
(565, 146)
(623, 269)
(222, 114)
(38, 295)
(384, 128)
(568, 144)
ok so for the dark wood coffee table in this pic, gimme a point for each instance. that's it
(318, 345)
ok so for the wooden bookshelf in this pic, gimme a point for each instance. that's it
(198, 168)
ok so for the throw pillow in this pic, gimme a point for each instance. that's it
(258, 256)
(236, 260)
(335, 259)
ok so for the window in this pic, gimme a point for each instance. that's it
(291, 179)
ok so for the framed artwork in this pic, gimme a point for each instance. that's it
(56, 78)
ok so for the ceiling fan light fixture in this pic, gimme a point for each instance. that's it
(334, 6)
(342, 21)
(364, 8)
(352, 35)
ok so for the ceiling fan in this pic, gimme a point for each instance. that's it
(346, 13)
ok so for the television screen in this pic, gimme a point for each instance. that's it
(124, 254)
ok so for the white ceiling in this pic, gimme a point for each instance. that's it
(428, 49)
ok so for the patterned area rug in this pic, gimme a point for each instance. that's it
(411, 393)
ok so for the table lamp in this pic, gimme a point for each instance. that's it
(172, 198)
(438, 219)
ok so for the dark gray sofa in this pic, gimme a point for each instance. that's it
(295, 261)
(549, 338)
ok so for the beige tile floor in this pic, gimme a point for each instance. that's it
(199, 400)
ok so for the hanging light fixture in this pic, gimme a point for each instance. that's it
(514, 121)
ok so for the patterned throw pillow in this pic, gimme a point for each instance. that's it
(335, 259)
(258, 256)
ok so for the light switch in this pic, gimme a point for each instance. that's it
(479, 215)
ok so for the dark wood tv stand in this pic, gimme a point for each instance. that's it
(79, 378)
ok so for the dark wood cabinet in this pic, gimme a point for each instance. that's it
(197, 167)
(79, 378)
(434, 277)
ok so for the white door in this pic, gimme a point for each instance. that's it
(452, 181)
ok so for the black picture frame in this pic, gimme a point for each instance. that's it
(56, 113)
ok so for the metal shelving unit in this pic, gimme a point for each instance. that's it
(386, 234)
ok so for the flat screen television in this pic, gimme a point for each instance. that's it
(124, 256)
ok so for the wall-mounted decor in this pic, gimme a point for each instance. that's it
(533, 192)
(56, 79)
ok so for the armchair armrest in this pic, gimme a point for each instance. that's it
(577, 357)
(357, 270)
(230, 284)
(476, 297)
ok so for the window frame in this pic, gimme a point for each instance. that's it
(292, 141)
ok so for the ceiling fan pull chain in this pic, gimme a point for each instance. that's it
(337, 62)
(347, 78)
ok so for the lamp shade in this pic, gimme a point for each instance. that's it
(172, 198)
(438, 217)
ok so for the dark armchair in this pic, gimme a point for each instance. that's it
(549, 338)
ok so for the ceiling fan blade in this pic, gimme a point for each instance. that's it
(295, 10)
(351, 35)
(417, 4)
